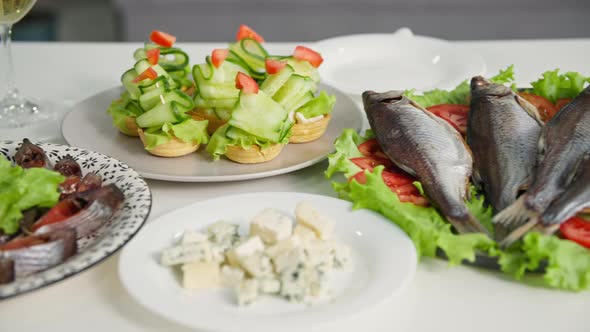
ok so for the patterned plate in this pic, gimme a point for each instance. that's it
(107, 239)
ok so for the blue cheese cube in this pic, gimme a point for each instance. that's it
(271, 226)
(294, 285)
(200, 275)
(289, 260)
(194, 237)
(342, 254)
(247, 291)
(223, 232)
(320, 254)
(187, 253)
(257, 265)
(269, 285)
(231, 276)
(244, 249)
(308, 216)
(291, 243)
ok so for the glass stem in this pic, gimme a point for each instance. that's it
(7, 77)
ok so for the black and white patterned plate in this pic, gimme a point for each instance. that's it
(107, 239)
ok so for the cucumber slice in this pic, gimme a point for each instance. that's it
(139, 54)
(183, 101)
(127, 81)
(252, 54)
(295, 88)
(151, 98)
(142, 65)
(159, 115)
(223, 114)
(172, 59)
(160, 81)
(229, 103)
(260, 116)
(304, 68)
(274, 82)
(297, 103)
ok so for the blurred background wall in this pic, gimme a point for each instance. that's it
(303, 20)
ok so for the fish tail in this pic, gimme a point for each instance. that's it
(519, 232)
(469, 225)
(516, 214)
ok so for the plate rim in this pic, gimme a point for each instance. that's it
(86, 267)
(403, 285)
(222, 178)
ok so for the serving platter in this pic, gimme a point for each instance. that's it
(394, 61)
(111, 236)
(89, 126)
(383, 263)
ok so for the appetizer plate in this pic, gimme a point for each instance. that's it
(89, 126)
(383, 263)
(107, 239)
(383, 62)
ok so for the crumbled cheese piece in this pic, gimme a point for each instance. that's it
(257, 265)
(223, 232)
(194, 237)
(269, 285)
(187, 253)
(305, 233)
(322, 225)
(200, 275)
(289, 244)
(231, 276)
(271, 226)
(247, 291)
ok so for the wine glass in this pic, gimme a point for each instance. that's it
(15, 111)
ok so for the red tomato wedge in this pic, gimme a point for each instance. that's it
(163, 39)
(309, 55)
(274, 66)
(60, 212)
(560, 103)
(392, 179)
(371, 148)
(546, 108)
(246, 32)
(246, 83)
(149, 73)
(153, 55)
(578, 230)
(218, 56)
(371, 162)
(454, 114)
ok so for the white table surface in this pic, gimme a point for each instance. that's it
(439, 298)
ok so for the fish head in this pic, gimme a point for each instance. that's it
(389, 97)
(482, 87)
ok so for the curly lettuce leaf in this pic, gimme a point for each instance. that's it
(460, 94)
(188, 131)
(22, 189)
(123, 108)
(227, 135)
(553, 85)
(321, 105)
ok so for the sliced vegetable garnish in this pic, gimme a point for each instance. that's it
(153, 55)
(149, 73)
(246, 84)
(309, 55)
(218, 56)
(246, 32)
(162, 38)
(577, 230)
(371, 148)
(371, 162)
(456, 115)
(274, 66)
(546, 108)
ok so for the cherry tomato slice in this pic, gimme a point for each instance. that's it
(218, 56)
(578, 230)
(371, 148)
(309, 55)
(153, 56)
(546, 108)
(456, 115)
(274, 66)
(149, 73)
(245, 31)
(162, 38)
(246, 83)
(59, 212)
(371, 162)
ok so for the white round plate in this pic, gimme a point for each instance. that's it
(106, 240)
(397, 61)
(384, 261)
(89, 126)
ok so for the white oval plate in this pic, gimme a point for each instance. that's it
(384, 262)
(397, 61)
(106, 240)
(89, 126)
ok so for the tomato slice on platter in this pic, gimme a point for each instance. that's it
(309, 55)
(22, 242)
(245, 31)
(274, 66)
(456, 115)
(153, 56)
(401, 184)
(218, 56)
(578, 230)
(149, 73)
(246, 83)
(546, 108)
(371, 162)
(371, 148)
(560, 103)
(59, 212)
(162, 38)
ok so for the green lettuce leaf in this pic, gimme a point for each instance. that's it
(553, 85)
(227, 135)
(23, 189)
(320, 105)
(188, 131)
(460, 94)
(123, 108)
